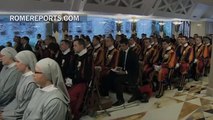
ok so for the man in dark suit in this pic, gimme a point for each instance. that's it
(25, 43)
(128, 60)
(134, 46)
(17, 45)
(39, 46)
(126, 71)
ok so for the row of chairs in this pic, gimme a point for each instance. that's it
(93, 101)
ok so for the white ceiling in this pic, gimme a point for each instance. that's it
(119, 9)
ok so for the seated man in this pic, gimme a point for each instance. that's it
(207, 54)
(147, 61)
(89, 46)
(55, 52)
(126, 71)
(177, 47)
(81, 73)
(110, 62)
(98, 52)
(184, 61)
(38, 46)
(168, 62)
(98, 59)
(198, 64)
(9, 76)
(134, 46)
(117, 41)
(157, 50)
(66, 56)
(25, 43)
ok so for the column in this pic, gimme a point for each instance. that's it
(134, 26)
(55, 32)
(198, 28)
(175, 29)
(64, 27)
(49, 28)
(161, 28)
(118, 26)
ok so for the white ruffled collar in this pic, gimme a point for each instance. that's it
(169, 48)
(133, 45)
(97, 46)
(199, 44)
(84, 51)
(208, 44)
(88, 45)
(149, 46)
(66, 51)
(185, 45)
(110, 48)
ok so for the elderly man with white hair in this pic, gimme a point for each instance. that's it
(9, 76)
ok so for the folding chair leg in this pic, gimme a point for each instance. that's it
(99, 103)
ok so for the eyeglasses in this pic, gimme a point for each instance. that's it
(38, 72)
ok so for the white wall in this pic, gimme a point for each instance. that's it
(209, 27)
(198, 28)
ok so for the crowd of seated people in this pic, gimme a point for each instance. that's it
(50, 81)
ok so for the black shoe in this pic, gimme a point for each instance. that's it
(132, 99)
(195, 78)
(144, 100)
(180, 88)
(118, 103)
(159, 95)
(165, 87)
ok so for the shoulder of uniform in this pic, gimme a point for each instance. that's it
(171, 51)
(115, 50)
(203, 46)
(152, 49)
(98, 49)
(189, 47)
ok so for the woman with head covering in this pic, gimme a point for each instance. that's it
(25, 63)
(1, 65)
(9, 76)
(50, 101)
